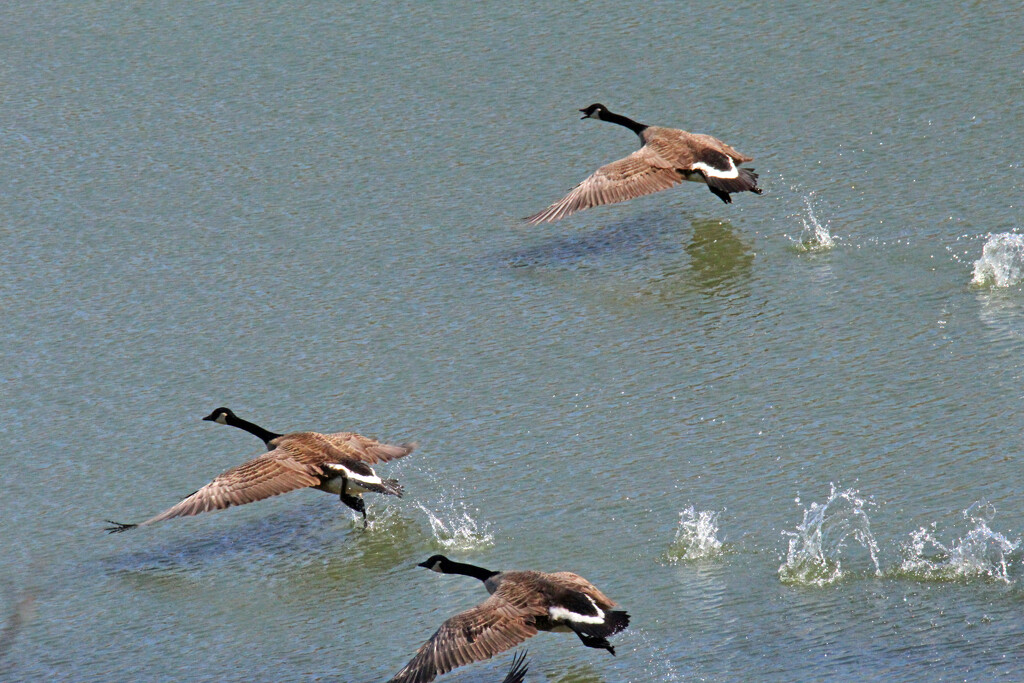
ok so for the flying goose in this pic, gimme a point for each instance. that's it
(666, 157)
(336, 463)
(521, 604)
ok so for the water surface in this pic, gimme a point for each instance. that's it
(312, 215)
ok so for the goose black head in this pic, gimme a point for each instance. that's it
(435, 563)
(220, 416)
(594, 111)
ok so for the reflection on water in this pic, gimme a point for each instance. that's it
(719, 259)
(580, 673)
(720, 264)
(1002, 312)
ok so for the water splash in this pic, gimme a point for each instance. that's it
(814, 236)
(381, 519)
(979, 553)
(817, 544)
(696, 536)
(455, 529)
(1002, 261)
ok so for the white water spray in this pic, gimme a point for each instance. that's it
(979, 553)
(696, 536)
(1002, 261)
(814, 235)
(455, 529)
(818, 544)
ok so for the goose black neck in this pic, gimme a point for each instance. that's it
(468, 570)
(253, 429)
(637, 128)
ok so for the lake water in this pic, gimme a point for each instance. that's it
(785, 434)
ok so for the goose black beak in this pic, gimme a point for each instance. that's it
(424, 564)
(584, 115)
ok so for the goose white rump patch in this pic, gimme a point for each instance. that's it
(568, 615)
(341, 469)
(733, 172)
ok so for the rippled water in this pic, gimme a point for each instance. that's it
(311, 214)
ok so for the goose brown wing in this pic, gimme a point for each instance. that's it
(495, 625)
(366, 449)
(728, 150)
(642, 172)
(269, 475)
(681, 149)
(578, 583)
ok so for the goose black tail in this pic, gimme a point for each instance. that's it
(746, 181)
(614, 622)
(391, 487)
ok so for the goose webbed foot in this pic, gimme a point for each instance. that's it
(596, 642)
(721, 194)
(357, 504)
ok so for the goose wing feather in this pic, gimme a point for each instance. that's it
(520, 666)
(271, 474)
(367, 449)
(576, 582)
(497, 624)
(682, 149)
(641, 173)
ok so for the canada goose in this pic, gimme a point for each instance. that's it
(521, 603)
(336, 463)
(666, 157)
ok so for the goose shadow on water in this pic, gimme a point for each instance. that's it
(643, 236)
(296, 532)
(20, 612)
(494, 668)
(716, 261)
